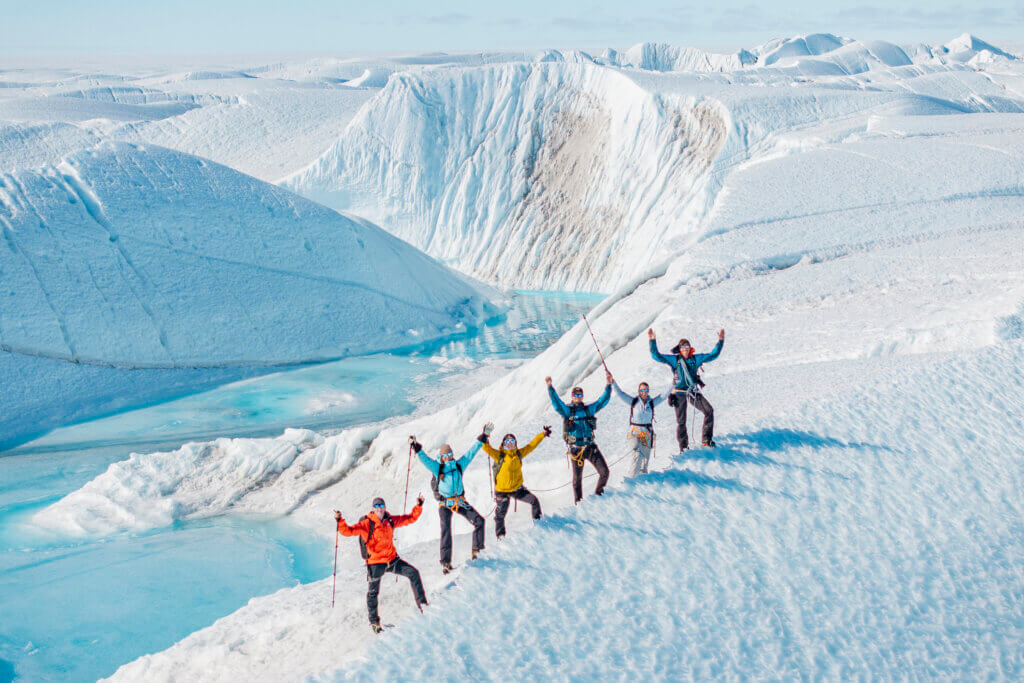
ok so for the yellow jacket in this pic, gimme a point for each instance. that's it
(510, 476)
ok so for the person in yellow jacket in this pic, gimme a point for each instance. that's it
(508, 478)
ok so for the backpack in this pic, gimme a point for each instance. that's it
(636, 399)
(569, 423)
(435, 480)
(363, 550)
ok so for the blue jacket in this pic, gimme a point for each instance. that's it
(451, 485)
(680, 376)
(580, 431)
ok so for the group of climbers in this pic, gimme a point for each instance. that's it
(376, 529)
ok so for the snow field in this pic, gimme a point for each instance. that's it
(870, 534)
(851, 220)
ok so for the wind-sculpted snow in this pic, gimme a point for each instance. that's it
(127, 257)
(576, 172)
(542, 175)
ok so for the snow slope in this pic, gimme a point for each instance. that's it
(122, 257)
(859, 237)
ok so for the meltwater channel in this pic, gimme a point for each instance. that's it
(73, 609)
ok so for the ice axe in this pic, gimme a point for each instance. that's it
(596, 345)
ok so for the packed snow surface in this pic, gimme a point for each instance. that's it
(849, 212)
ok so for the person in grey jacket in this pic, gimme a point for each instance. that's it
(641, 423)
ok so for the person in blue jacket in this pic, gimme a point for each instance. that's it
(685, 363)
(578, 431)
(451, 496)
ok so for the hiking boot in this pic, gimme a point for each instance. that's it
(708, 444)
(376, 627)
(475, 554)
(446, 567)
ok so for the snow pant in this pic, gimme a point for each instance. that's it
(375, 572)
(640, 440)
(472, 516)
(678, 401)
(577, 454)
(501, 509)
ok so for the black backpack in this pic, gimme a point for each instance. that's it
(569, 423)
(434, 481)
(362, 544)
(636, 399)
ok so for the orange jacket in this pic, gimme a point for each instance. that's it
(380, 546)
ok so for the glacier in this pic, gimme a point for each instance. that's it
(849, 211)
(134, 272)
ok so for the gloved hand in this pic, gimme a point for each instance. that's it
(488, 428)
(547, 430)
(337, 515)
(419, 499)
(415, 444)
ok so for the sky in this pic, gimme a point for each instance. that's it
(118, 27)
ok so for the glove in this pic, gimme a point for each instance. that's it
(488, 428)
(337, 515)
(419, 500)
(482, 438)
(416, 446)
(547, 430)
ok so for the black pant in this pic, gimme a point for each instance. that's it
(592, 453)
(502, 498)
(678, 401)
(445, 514)
(375, 572)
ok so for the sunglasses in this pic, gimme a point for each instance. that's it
(575, 395)
(509, 440)
(645, 391)
(379, 505)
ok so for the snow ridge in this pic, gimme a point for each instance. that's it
(465, 163)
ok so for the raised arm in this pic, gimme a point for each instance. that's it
(713, 354)
(470, 454)
(602, 401)
(663, 396)
(528, 448)
(402, 520)
(557, 403)
(428, 462)
(359, 528)
(626, 398)
(491, 451)
(660, 357)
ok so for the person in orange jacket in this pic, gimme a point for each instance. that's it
(376, 541)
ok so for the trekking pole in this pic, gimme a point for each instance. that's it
(408, 468)
(334, 581)
(595, 345)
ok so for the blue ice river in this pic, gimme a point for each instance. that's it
(76, 610)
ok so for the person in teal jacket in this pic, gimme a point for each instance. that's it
(685, 363)
(578, 431)
(451, 496)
